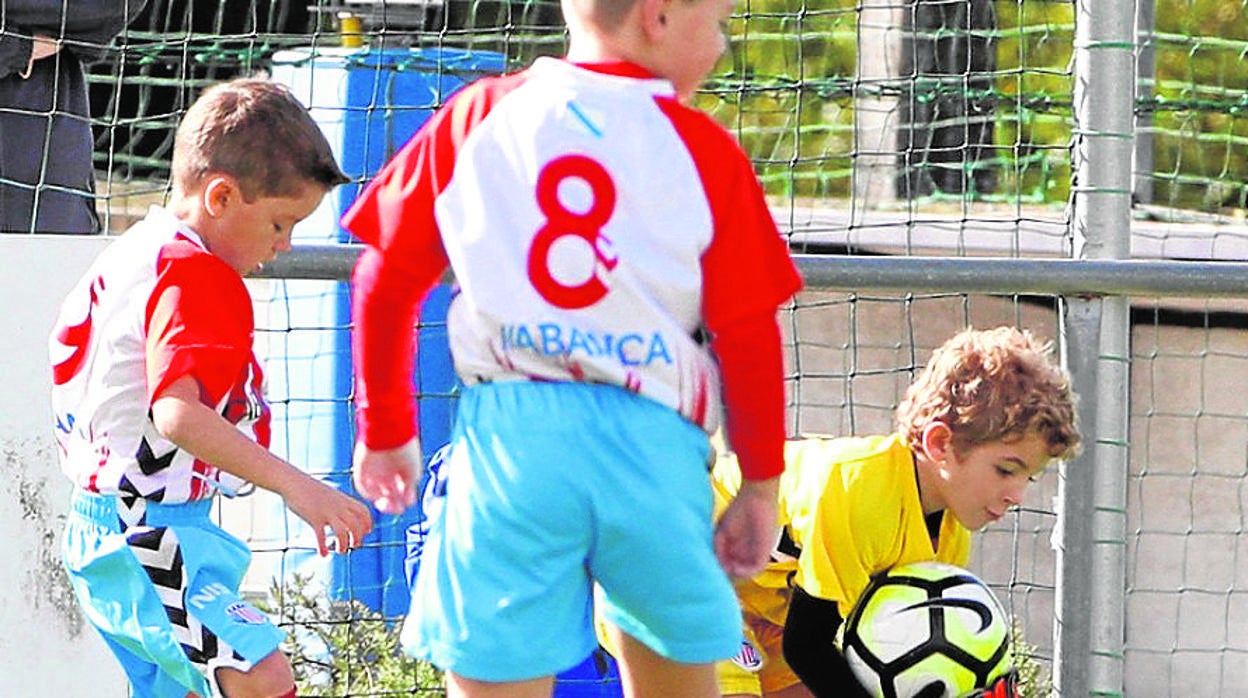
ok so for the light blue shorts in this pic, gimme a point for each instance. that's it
(552, 487)
(164, 593)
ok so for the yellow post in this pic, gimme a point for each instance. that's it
(351, 30)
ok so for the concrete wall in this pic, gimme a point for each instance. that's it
(48, 649)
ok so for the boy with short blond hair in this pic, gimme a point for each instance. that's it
(981, 421)
(596, 225)
(158, 402)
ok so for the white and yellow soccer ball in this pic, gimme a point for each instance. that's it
(927, 623)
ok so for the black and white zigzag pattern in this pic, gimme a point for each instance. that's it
(131, 510)
(158, 550)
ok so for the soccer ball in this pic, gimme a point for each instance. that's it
(927, 623)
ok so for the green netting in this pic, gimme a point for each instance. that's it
(1198, 102)
(980, 92)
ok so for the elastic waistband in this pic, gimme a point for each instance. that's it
(101, 509)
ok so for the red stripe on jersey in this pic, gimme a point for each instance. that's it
(78, 337)
(395, 215)
(622, 69)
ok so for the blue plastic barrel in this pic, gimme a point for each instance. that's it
(368, 102)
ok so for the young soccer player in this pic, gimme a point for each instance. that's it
(158, 404)
(983, 419)
(595, 224)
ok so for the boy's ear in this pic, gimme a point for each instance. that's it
(937, 441)
(219, 193)
(654, 18)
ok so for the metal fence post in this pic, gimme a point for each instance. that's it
(1089, 638)
(1146, 71)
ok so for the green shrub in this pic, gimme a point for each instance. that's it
(1034, 680)
(344, 648)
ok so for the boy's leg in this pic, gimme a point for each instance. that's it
(232, 643)
(462, 687)
(646, 674)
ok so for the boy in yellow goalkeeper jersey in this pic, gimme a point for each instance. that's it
(983, 419)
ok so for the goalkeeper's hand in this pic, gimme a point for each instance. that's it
(1004, 686)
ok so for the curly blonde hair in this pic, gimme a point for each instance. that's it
(992, 385)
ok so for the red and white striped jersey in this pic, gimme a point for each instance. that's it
(155, 306)
(594, 226)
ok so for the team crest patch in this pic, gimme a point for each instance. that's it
(245, 613)
(748, 657)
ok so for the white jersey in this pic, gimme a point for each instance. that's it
(577, 207)
(603, 292)
(154, 307)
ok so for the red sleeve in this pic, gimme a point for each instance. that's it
(746, 274)
(404, 258)
(752, 367)
(385, 309)
(199, 322)
(394, 216)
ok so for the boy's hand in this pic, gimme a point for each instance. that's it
(325, 508)
(746, 533)
(388, 478)
(43, 47)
